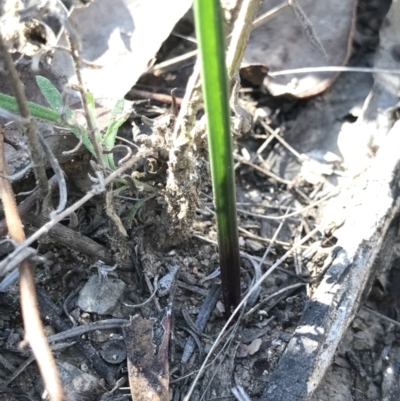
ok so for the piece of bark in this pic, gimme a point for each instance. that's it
(371, 208)
(147, 343)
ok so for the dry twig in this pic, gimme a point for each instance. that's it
(34, 333)
(28, 124)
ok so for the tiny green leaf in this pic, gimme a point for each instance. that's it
(9, 103)
(81, 132)
(50, 92)
(117, 118)
(54, 98)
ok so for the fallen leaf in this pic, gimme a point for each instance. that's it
(122, 37)
(281, 44)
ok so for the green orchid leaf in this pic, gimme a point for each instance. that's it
(9, 103)
(50, 92)
(117, 118)
(209, 23)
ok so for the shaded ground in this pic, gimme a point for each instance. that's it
(362, 368)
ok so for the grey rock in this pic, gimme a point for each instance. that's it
(101, 299)
(254, 245)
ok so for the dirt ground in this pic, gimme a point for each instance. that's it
(75, 290)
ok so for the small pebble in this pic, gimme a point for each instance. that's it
(285, 337)
(84, 368)
(255, 195)
(100, 298)
(187, 278)
(220, 307)
(84, 318)
(254, 245)
(254, 346)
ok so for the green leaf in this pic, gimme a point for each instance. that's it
(92, 114)
(54, 98)
(50, 92)
(117, 118)
(210, 35)
(81, 132)
(10, 104)
(135, 208)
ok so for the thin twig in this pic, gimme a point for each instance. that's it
(257, 267)
(34, 333)
(268, 173)
(383, 317)
(307, 70)
(28, 124)
(166, 65)
(267, 16)
(148, 299)
(87, 328)
(19, 174)
(310, 206)
(249, 234)
(260, 149)
(265, 300)
(159, 97)
(59, 174)
(275, 135)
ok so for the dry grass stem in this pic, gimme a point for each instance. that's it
(34, 333)
(28, 124)
(240, 35)
(268, 173)
(264, 18)
(307, 70)
(265, 300)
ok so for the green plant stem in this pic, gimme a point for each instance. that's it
(210, 36)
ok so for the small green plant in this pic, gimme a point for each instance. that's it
(210, 35)
(117, 118)
(64, 116)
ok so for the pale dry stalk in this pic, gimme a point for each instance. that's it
(28, 124)
(34, 334)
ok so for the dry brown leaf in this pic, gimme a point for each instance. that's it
(121, 36)
(282, 44)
